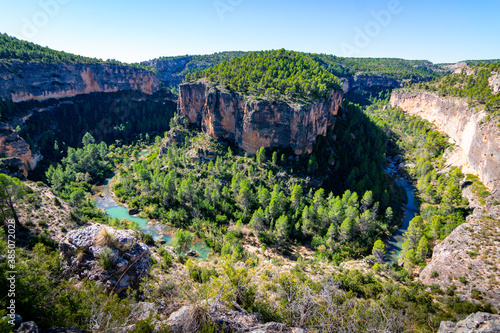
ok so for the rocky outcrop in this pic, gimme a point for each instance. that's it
(23, 81)
(494, 82)
(191, 319)
(31, 327)
(252, 124)
(101, 253)
(467, 261)
(15, 152)
(479, 322)
(175, 136)
(479, 141)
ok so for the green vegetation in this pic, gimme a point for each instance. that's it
(278, 74)
(390, 67)
(442, 206)
(89, 164)
(12, 48)
(264, 192)
(44, 296)
(114, 118)
(472, 84)
(478, 188)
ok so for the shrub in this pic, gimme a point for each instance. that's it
(146, 238)
(450, 291)
(434, 274)
(105, 258)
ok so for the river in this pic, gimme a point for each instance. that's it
(159, 231)
(395, 243)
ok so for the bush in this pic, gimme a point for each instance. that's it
(106, 258)
(146, 238)
(266, 238)
(434, 274)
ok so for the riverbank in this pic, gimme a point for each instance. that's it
(394, 245)
(106, 200)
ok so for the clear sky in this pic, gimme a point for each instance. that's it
(133, 31)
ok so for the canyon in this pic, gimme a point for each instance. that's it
(251, 123)
(467, 127)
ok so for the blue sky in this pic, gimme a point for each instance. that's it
(132, 31)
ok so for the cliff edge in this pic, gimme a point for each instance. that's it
(23, 81)
(478, 139)
(252, 124)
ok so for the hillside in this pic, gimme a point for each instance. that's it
(275, 217)
(401, 69)
(12, 49)
(272, 75)
(478, 83)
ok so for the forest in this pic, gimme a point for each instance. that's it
(272, 74)
(442, 206)
(268, 192)
(401, 69)
(12, 48)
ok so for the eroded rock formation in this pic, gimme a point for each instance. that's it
(16, 153)
(479, 140)
(479, 322)
(101, 253)
(367, 81)
(252, 124)
(466, 260)
(23, 81)
(191, 318)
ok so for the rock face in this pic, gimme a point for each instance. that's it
(494, 81)
(479, 322)
(479, 143)
(169, 71)
(364, 81)
(190, 319)
(17, 151)
(23, 81)
(254, 124)
(468, 260)
(83, 251)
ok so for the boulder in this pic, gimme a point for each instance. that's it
(27, 327)
(133, 211)
(126, 260)
(190, 318)
(479, 322)
(65, 330)
(192, 253)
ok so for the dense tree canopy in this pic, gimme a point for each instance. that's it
(277, 74)
(12, 48)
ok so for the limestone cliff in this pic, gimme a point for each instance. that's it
(171, 71)
(23, 81)
(479, 140)
(252, 124)
(17, 151)
(367, 81)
